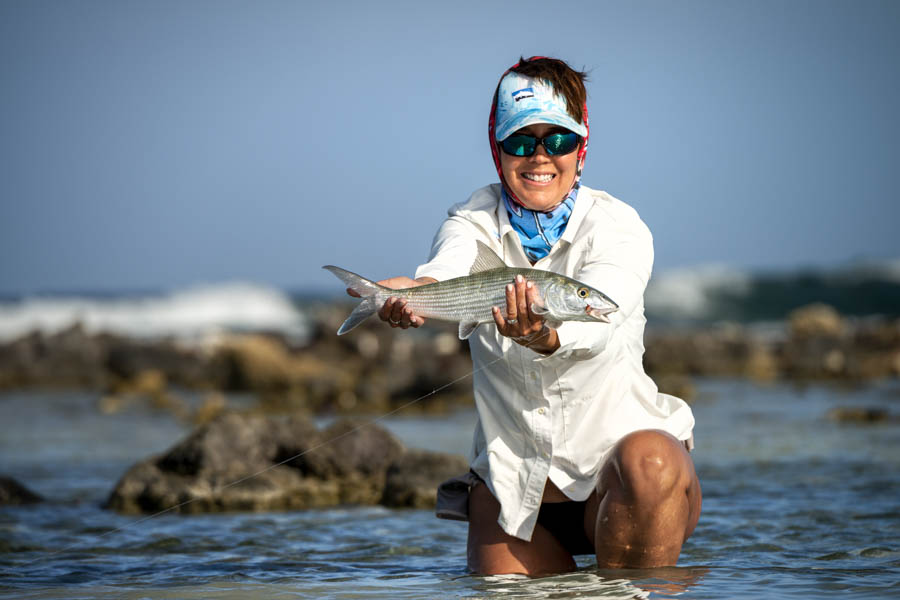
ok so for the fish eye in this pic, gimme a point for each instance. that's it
(583, 292)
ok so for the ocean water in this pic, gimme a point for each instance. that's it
(795, 506)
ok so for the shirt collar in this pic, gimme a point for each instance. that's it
(579, 211)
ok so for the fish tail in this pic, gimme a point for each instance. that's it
(362, 286)
(363, 311)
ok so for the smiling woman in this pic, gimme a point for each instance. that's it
(575, 450)
(541, 180)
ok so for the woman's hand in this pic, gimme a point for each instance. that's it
(394, 311)
(520, 323)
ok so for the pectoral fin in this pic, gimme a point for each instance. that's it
(467, 329)
(543, 310)
(538, 309)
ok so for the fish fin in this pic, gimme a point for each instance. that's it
(467, 328)
(363, 311)
(485, 259)
(359, 284)
(552, 323)
(543, 310)
(538, 309)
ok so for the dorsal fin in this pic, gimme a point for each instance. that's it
(485, 259)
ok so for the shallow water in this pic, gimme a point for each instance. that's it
(795, 506)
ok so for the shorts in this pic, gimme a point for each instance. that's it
(564, 520)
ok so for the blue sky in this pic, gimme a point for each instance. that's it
(162, 144)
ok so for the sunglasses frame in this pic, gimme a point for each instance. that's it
(541, 141)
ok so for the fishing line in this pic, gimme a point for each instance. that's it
(296, 456)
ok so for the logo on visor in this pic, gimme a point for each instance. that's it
(523, 94)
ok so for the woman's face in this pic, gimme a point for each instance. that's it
(539, 181)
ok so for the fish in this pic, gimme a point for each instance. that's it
(469, 299)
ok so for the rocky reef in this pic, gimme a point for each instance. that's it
(376, 369)
(815, 343)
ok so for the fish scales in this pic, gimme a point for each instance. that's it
(467, 298)
(470, 299)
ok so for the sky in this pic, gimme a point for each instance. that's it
(157, 145)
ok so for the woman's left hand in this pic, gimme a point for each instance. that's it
(519, 322)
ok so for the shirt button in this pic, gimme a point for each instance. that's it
(541, 411)
(533, 376)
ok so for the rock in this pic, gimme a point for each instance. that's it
(266, 365)
(128, 361)
(13, 492)
(213, 406)
(815, 320)
(412, 480)
(723, 350)
(234, 445)
(70, 357)
(761, 365)
(244, 462)
(350, 446)
(858, 414)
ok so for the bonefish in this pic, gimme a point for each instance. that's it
(469, 299)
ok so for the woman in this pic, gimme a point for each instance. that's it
(575, 451)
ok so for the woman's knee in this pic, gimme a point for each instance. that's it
(651, 463)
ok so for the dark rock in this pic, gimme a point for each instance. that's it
(412, 480)
(241, 462)
(13, 492)
(70, 357)
(348, 447)
(127, 359)
(859, 414)
(724, 350)
(233, 445)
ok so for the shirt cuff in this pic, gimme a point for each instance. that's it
(578, 341)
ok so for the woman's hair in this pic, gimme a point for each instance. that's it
(567, 82)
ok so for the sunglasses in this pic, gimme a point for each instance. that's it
(554, 144)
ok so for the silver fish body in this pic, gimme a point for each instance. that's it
(469, 299)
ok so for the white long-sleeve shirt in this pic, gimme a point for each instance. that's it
(558, 416)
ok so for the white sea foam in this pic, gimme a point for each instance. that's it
(191, 313)
(688, 293)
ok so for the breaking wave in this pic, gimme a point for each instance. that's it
(716, 293)
(189, 313)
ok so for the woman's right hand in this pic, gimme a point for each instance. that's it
(394, 311)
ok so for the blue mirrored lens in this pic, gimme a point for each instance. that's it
(519, 145)
(560, 143)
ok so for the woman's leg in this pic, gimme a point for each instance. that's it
(492, 551)
(646, 504)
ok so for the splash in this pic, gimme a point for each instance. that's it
(185, 314)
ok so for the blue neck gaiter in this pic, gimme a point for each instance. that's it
(538, 231)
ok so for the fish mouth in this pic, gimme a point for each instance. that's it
(600, 312)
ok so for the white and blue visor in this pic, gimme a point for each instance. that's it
(523, 101)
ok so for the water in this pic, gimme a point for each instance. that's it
(795, 506)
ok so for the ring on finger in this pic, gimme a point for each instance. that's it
(512, 321)
(393, 322)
